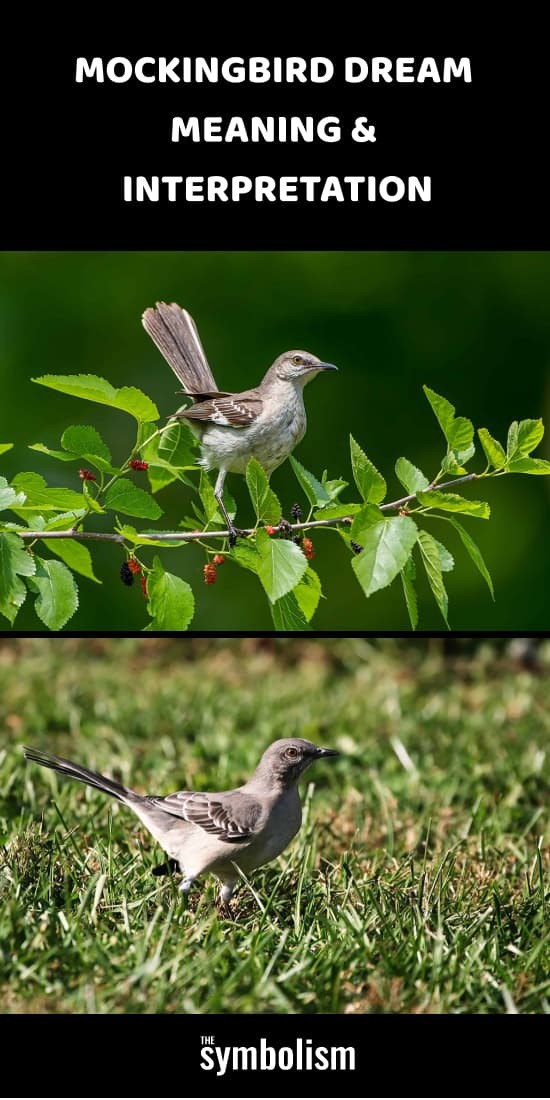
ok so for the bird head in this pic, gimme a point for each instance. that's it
(299, 365)
(285, 760)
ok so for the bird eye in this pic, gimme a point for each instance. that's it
(297, 359)
(293, 753)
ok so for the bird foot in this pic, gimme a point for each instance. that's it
(234, 534)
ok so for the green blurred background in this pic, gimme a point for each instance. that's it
(473, 326)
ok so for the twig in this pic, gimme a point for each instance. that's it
(193, 536)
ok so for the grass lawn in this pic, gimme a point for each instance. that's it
(418, 882)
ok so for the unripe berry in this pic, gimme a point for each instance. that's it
(143, 583)
(137, 464)
(219, 559)
(209, 573)
(134, 565)
(307, 547)
(270, 530)
(87, 475)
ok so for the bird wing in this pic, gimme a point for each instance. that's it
(228, 410)
(175, 333)
(232, 817)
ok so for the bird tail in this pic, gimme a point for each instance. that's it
(76, 771)
(175, 334)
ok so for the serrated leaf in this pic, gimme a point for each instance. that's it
(169, 454)
(15, 563)
(338, 511)
(445, 557)
(367, 516)
(126, 497)
(432, 565)
(75, 555)
(287, 614)
(369, 481)
(512, 441)
(57, 593)
(148, 538)
(265, 503)
(333, 486)
(9, 498)
(56, 523)
(61, 456)
(313, 489)
(408, 575)
(473, 551)
(93, 388)
(453, 502)
(171, 602)
(461, 434)
(40, 496)
(444, 411)
(454, 461)
(246, 556)
(281, 566)
(530, 433)
(308, 593)
(529, 466)
(386, 547)
(410, 476)
(494, 451)
(91, 502)
(84, 440)
(5, 447)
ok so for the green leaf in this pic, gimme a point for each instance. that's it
(370, 483)
(333, 487)
(90, 499)
(529, 466)
(454, 461)
(169, 454)
(147, 538)
(367, 516)
(338, 511)
(445, 557)
(287, 614)
(210, 504)
(15, 562)
(75, 555)
(61, 456)
(461, 434)
(83, 441)
(308, 593)
(171, 602)
(473, 550)
(530, 433)
(92, 388)
(444, 411)
(125, 497)
(57, 598)
(9, 498)
(512, 441)
(453, 502)
(458, 431)
(55, 523)
(264, 501)
(313, 489)
(408, 576)
(494, 451)
(281, 566)
(5, 447)
(40, 496)
(246, 556)
(432, 564)
(410, 476)
(386, 547)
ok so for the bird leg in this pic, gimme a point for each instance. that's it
(226, 893)
(186, 884)
(218, 493)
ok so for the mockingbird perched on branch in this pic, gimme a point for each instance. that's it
(264, 423)
(217, 832)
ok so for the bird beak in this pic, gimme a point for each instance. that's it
(327, 752)
(325, 366)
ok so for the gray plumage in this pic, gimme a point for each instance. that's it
(214, 831)
(265, 423)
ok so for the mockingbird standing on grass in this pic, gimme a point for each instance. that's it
(264, 423)
(217, 832)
